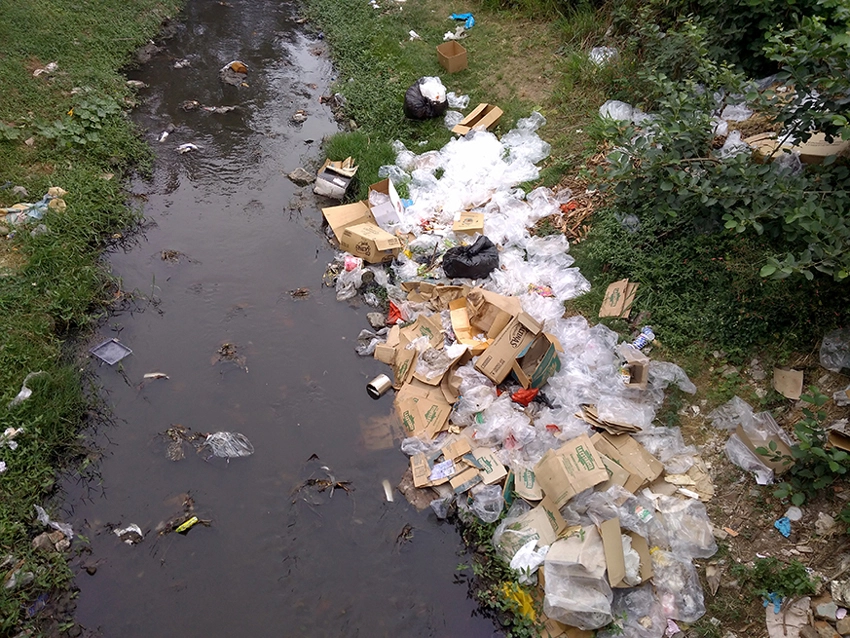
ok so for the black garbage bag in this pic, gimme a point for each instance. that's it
(471, 262)
(419, 107)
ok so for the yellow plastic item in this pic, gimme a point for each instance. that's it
(185, 527)
(521, 598)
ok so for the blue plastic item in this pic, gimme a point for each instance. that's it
(774, 599)
(784, 526)
(468, 20)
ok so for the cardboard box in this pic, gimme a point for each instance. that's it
(526, 485)
(452, 56)
(334, 178)
(463, 330)
(389, 212)
(572, 468)
(814, 151)
(538, 361)
(422, 409)
(490, 312)
(492, 470)
(642, 467)
(619, 297)
(469, 223)
(425, 326)
(456, 447)
(788, 383)
(839, 436)
(385, 352)
(497, 360)
(464, 481)
(370, 242)
(617, 474)
(615, 558)
(341, 217)
(483, 117)
(637, 364)
(403, 362)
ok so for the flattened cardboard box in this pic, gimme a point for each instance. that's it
(422, 409)
(617, 474)
(459, 314)
(526, 485)
(469, 223)
(341, 217)
(572, 468)
(429, 326)
(788, 383)
(631, 456)
(385, 352)
(370, 242)
(615, 558)
(389, 212)
(490, 312)
(619, 297)
(539, 361)
(483, 117)
(496, 362)
(464, 481)
(492, 470)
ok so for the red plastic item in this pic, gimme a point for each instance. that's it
(394, 315)
(524, 397)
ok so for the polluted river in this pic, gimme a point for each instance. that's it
(229, 239)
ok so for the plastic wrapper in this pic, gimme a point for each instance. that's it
(44, 519)
(368, 340)
(719, 128)
(348, 282)
(471, 262)
(731, 414)
(631, 560)
(677, 586)
(487, 503)
(394, 173)
(736, 113)
(511, 535)
(457, 101)
(734, 145)
(527, 561)
(426, 98)
(441, 506)
(688, 527)
(497, 422)
(842, 397)
(452, 119)
(788, 162)
(637, 614)
(25, 392)
(740, 455)
(625, 410)
(668, 446)
(414, 445)
(623, 112)
(601, 56)
(835, 350)
(663, 373)
(433, 363)
(228, 445)
(577, 590)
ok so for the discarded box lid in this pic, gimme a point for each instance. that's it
(497, 360)
(788, 383)
(570, 469)
(452, 56)
(334, 178)
(633, 457)
(492, 470)
(468, 223)
(111, 351)
(615, 558)
(341, 217)
(370, 242)
(619, 297)
(813, 151)
(483, 117)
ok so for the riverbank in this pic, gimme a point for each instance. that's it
(63, 124)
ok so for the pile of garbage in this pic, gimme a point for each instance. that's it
(509, 405)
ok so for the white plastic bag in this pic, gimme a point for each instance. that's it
(228, 445)
(677, 586)
(688, 527)
(527, 561)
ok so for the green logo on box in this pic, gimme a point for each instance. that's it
(585, 458)
(431, 414)
(409, 421)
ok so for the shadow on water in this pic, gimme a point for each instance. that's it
(329, 565)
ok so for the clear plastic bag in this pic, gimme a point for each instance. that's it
(368, 340)
(734, 145)
(601, 56)
(452, 119)
(441, 506)
(668, 446)
(736, 113)
(740, 455)
(511, 534)
(577, 590)
(663, 373)
(677, 586)
(835, 350)
(44, 519)
(348, 282)
(414, 445)
(527, 561)
(228, 445)
(688, 527)
(637, 614)
(457, 101)
(487, 503)
(842, 397)
(731, 414)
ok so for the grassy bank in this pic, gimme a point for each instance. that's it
(65, 127)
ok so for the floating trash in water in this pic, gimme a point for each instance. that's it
(185, 148)
(132, 534)
(228, 445)
(111, 351)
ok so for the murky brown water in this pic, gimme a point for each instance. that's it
(265, 567)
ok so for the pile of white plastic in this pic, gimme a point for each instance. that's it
(481, 173)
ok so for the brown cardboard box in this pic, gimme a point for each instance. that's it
(619, 297)
(452, 56)
(370, 242)
(637, 364)
(545, 520)
(464, 332)
(425, 326)
(388, 212)
(422, 409)
(492, 471)
(614, 557)
(526, 485)
(404, 362)
(814, 151)
(642, 467)
(341, 217)
(385, 352)
(617, 474)
(482, 118)
(469, 223)
(333, 178)
(497, 360)
(572, 468)
(490, 312)
(467, 479)
(538, 361)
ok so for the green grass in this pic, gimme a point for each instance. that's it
(52, 285)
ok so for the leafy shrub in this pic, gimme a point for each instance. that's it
(769, 576)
